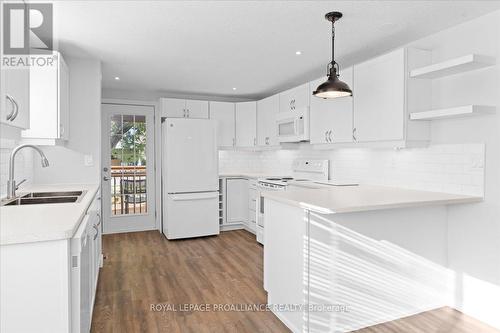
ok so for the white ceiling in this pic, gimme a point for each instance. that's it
(209, 47)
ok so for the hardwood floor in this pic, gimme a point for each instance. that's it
(443, 320)
(143, 269)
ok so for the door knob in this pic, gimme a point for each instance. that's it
(105, 178)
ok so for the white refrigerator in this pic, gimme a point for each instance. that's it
(190, 180)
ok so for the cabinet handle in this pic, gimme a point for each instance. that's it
(330, 136)
(16, 111)
(354, 134)
(188, 113)
(13, 110)
(96, 231)
(326, 136)
(184, 113)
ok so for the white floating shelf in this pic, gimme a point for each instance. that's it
(452, 66)
(459, 111)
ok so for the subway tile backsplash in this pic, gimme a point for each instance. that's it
(453, 168)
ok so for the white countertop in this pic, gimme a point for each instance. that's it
(44, 222)
(255, 175)
(346, 199)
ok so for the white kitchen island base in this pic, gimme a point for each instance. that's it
(342, 272)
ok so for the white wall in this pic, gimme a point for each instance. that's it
(474, 230)
(67, 162)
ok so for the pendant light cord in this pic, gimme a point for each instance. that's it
(333, 63)
(333, 43)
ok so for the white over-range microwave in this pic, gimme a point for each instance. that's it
(293, 126)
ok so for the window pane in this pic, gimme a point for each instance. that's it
(128, 164)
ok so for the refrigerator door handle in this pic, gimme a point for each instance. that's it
(194, 196)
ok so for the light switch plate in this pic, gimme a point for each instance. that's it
(88, 160)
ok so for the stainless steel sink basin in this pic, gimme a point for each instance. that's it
(53, 194)
(47, 200)
(38, 198)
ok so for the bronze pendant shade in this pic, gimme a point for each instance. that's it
(333, 87)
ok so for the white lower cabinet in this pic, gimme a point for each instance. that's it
(252, 205)
(331, 120)
(284, 255)
(236, 200)
(240, 204)
(86, 260)
(50, 286)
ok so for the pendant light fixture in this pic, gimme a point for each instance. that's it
(333, 87)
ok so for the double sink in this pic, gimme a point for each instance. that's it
(36, 198)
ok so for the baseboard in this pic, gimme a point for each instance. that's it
(233, 226)
(247, 228)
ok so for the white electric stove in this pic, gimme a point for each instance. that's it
(304, 173)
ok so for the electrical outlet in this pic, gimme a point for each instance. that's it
(88, 160)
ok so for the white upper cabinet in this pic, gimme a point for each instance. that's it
(246, 124)
(173, 107)
(223, 113)
(15, 97)
(384, 96)
(182, 108)
(331, 120)
(49, 102)
(379, 95)
(267, 109)
(295, 98)
(197, 109)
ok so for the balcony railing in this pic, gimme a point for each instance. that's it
(128, 190)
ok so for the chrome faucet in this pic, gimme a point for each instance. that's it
(11, 183)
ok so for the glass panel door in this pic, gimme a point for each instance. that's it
(128, 164)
